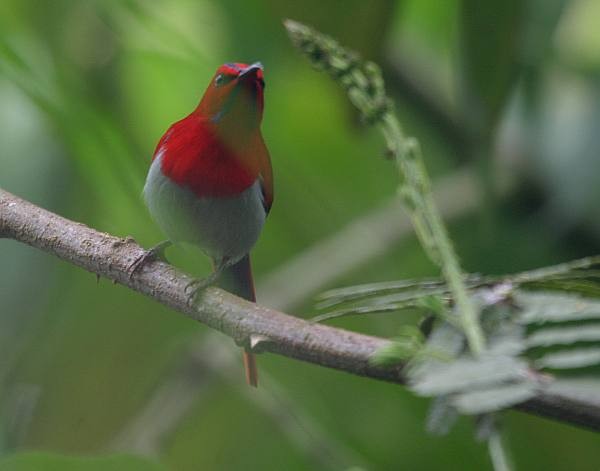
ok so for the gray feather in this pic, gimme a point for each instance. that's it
(224, 227)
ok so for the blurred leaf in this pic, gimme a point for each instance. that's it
(353, 311)
(550, 307)
(393, 353)
(564, 335)
(543, 19)
(446, 338)
(578, 276)
(468, 373)
(511, 344)
(577, 41)
(565, 163)
(38, 461)
(490, 40)
(389, 303)
(408, 344)
(96, 144)
(575, 358)
(367, 36)
(577, 389)
(442, 415)
(341, 295)
(585, 287)
(494, 399)
(11, 56)
(433, 303)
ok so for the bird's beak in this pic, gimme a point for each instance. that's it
(251, 70)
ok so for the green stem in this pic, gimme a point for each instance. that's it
(409, 161)
(365, 88)
(556, 270)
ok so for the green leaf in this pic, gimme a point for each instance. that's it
(384, 287)
(589, 288)
(494, 399)
(573, 268)
(567, 359)
(392, 354)
(433, 303)
(564, 335)
(408, 344)
(37, 461)
(404, 289)
(359, 310)
(579, 276)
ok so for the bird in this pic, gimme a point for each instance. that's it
(210, 183)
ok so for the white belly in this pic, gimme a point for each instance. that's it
(225, 227)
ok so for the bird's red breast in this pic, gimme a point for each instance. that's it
(195, 157)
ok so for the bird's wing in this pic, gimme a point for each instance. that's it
(265, 176)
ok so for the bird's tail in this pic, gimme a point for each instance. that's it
(237, 279)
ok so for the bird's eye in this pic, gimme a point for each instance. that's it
(223, 79)
(262, 83)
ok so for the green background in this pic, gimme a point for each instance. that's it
(507, 88)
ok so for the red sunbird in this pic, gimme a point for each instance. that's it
(211, 184)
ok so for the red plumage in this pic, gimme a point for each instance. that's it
(195, 157)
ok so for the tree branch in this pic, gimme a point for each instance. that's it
(266, 329)
(111, 257)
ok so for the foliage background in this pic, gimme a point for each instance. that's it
(87, 87)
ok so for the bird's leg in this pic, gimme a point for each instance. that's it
(158, 251)
(198, 284)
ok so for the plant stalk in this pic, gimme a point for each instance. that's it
(365, 88)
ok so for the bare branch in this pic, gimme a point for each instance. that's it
(111, 257)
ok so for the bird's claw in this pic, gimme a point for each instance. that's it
(197, 285)
(151, 254)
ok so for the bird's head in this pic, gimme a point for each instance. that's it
(234, 96)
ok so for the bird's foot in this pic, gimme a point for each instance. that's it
(158, 251)
(197, 285)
